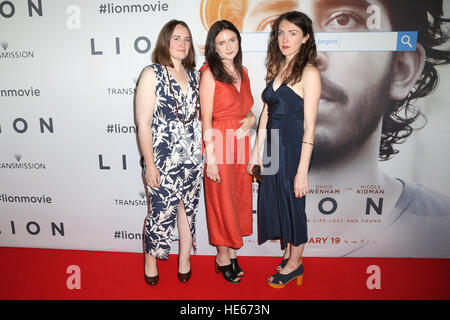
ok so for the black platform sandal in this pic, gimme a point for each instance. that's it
(279, 280)
(237, 269)
(227, 272)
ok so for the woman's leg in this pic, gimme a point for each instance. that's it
(287, 251)
(223, 258)
(233, 255)
(151, 269)
(295, 259)
(185, 243)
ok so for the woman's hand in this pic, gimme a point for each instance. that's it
(301, 185)
(255, 159)
(247, 123)
(152, 176)
(212, 171)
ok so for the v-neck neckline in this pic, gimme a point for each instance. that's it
(240, 88)
(273, 88)
(283, 84)
(171, 77)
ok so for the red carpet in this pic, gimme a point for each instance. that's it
(42, 274)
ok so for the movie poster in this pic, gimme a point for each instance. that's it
(70, 176)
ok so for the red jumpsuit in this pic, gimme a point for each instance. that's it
(229, 203)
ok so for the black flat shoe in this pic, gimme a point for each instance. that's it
(151, 280)
(228, 273)
(184, 277)
(236, 268)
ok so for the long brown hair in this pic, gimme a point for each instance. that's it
(215, 62)
(161, 52)
(307, 53)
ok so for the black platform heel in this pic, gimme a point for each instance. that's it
(279, 280)
(237, 269)
(227, 272)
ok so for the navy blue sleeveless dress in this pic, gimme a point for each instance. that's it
(280, 214)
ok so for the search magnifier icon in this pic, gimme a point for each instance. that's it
(406, 40)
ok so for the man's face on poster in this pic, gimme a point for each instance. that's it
(356, 86)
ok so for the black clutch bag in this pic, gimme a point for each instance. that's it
(256, 174)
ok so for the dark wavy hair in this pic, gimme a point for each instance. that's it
(215, 62)
(307, 53)
(161, 53)
(425, 16)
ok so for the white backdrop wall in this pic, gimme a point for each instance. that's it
(69, 162)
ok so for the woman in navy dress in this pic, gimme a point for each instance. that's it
(289, 115)
(167, 114)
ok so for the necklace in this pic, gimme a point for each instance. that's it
(176, 103)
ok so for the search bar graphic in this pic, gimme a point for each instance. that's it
(343, 41)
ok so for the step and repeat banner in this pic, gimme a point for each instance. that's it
(69, 162)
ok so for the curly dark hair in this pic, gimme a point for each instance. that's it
(425, 16)
(307, 53)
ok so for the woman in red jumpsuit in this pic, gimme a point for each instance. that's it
(226, 103)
